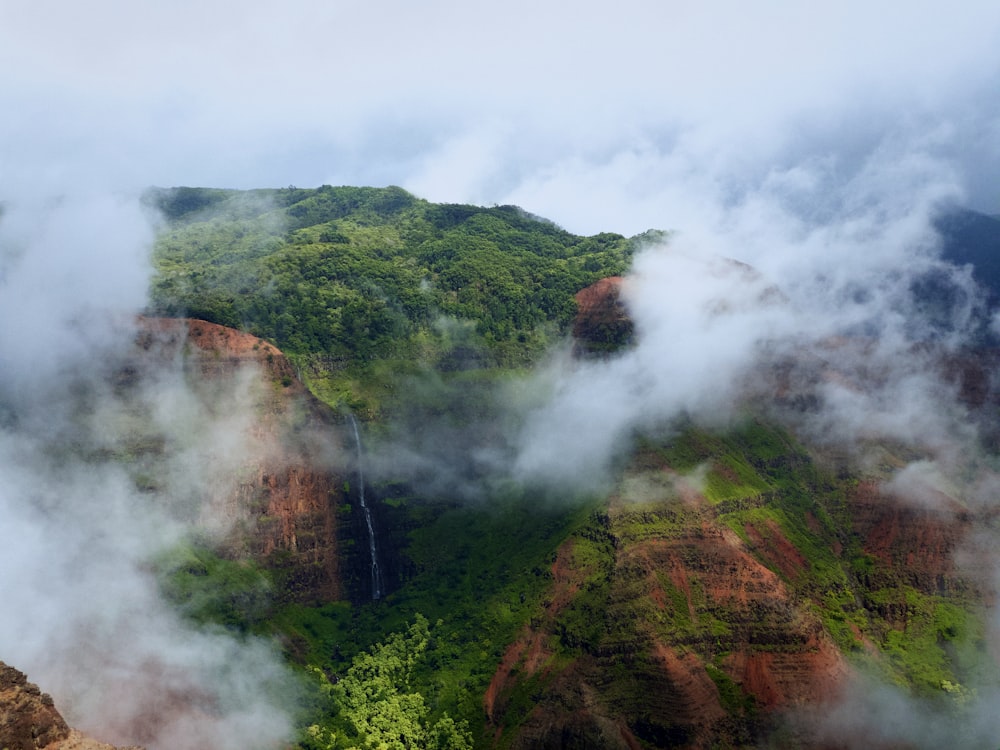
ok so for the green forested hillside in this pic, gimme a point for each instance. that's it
(725, 575)
(342, 277)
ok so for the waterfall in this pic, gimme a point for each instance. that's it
(372, 549)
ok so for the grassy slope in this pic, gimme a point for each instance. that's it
(812, 509)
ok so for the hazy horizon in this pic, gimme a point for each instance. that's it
(599, 119)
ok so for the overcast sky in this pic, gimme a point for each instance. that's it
(599, 117)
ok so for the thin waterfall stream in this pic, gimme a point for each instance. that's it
(376, 572)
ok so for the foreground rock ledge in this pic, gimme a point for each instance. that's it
(29, 719)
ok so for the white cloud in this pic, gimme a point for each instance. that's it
(255, 94)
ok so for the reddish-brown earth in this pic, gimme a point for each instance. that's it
(765, 640)
(917, 540)
(529, 653)
(768, 541)
(920, 545)
(680, 604)
(30, 721)
(283, 511)
(602, 324)
(707, 639)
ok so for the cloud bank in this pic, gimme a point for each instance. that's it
(83, 613)
(597, 118)
(813, 267)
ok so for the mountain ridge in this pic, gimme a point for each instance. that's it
(729, 581)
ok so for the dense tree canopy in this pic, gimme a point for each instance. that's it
(369, 273)
(375, 699)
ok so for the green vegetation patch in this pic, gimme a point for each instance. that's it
(212, 590)
(932, 644)
(731, 695)
(342, 277)
(377, 704)
(478, 572)
(584, 624)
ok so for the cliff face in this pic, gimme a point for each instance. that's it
(725, 596)
(665, 628)
(30, 721)
(733, 588)
(279, 504)
(676, 620)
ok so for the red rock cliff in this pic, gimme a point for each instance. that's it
(282, 510)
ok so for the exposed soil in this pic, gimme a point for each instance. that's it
(690, 603)
(283, 512)
(602, 324)
(529, 652)
(30, 721)
(768, 541)
(918, 541)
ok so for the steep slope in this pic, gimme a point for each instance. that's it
(281, 507)
(666, 628)
(761, 581)
(734, 585)
(29, 720)
(731, 584)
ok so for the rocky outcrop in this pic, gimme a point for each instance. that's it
(697, 642)
(602, 325)
(675, 620)
(282, 508)
(28, 718)
(30, 721)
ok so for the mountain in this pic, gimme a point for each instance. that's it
(366, 364)
(668, 614)
(338, 276)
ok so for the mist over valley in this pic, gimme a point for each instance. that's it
(450, 377)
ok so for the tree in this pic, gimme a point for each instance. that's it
(375, 701)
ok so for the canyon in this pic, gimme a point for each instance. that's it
(676, 615)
